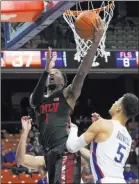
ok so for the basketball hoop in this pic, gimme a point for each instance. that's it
(82, 46)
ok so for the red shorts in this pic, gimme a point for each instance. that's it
(63, 167)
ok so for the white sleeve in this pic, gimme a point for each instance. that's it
(75, 143)
(137, 151)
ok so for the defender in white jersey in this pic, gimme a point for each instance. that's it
(110, 141)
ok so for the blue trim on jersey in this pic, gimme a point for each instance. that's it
(97, 169)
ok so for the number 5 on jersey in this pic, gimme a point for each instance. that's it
(120, 153)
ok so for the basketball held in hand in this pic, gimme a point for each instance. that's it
(86, 23)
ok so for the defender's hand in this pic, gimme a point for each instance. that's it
(99, 30)
(95, 117)
(50, 60)
(26, 123)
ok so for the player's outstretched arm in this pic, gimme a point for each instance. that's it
(22, 158)
(75, 88)
(38, 94)
(75, 143)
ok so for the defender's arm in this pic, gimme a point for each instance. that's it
(75, 143)
(85, 153)
(23, 159)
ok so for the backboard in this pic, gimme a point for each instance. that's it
(17, 34)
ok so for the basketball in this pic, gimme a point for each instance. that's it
(84, 24)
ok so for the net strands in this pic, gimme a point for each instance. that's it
(82, 46)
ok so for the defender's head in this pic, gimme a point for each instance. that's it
(56, 80)
(127, 106)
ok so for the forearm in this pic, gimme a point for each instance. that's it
(32, 162)
(75, 143)
(86, 64)
(37, 95)
(21, 149)
(83, 70)
(85, 153)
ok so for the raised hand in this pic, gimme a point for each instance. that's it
(50, 60)
(26, 123)
(95, 117)
(99, 30)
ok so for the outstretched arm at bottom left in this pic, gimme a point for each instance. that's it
(22, 158)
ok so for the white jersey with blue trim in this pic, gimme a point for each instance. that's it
(108, 158)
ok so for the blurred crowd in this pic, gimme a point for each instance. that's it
(8, 152)
(121, 34)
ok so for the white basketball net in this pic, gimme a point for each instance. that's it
(82, 45)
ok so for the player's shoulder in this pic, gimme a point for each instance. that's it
(103, 122)
(103, 125)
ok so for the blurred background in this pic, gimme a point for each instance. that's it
(105, 83)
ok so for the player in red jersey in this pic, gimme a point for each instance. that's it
(53, 111)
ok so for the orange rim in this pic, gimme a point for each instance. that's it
(76, 13)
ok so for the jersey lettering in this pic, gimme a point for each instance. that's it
(53, 107)
(120, 153)
(123, 138)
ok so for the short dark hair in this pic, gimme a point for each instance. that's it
(65, 79)
(130, 105)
